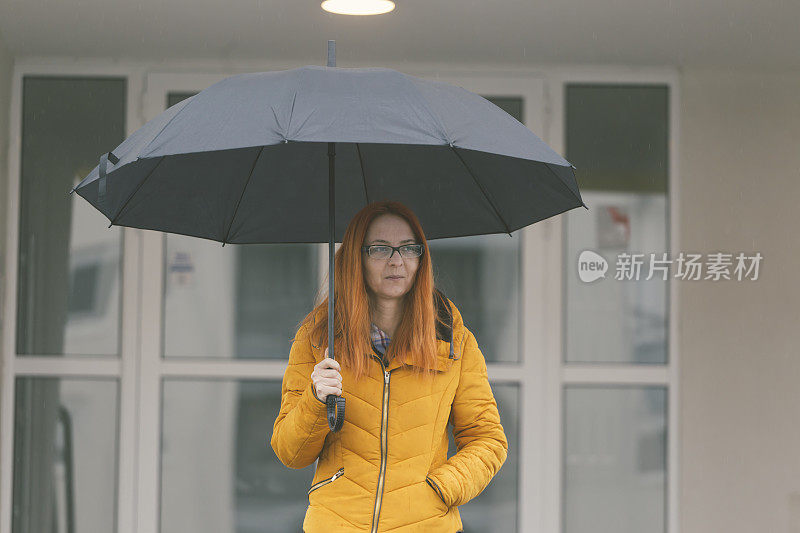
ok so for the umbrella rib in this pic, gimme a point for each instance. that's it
(277, 122)
(291, 112)
(116, 217)
(246, 183)
(562, 181)
(363, 176)
(485, 193)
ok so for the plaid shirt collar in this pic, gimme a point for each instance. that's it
(380, 340)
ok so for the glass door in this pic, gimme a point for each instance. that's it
(70, 318)
(617, 372)
(217, 324)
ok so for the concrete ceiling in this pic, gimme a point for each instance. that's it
(688, 33)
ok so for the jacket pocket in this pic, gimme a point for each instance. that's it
(339, 473)
(435, 487)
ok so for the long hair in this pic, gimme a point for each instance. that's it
(414, 339)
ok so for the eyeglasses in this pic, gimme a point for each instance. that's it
(384, 251)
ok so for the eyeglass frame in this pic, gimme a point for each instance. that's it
(395, 248)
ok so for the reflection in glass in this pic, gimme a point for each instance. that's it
(245, 301)
(615, 459)
(617, 137)
(496, 509)
(480, 274)
(65, 455)
(218, 471)
(68, 301)
(240, 301)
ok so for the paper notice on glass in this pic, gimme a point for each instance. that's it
(180, 270)
(613, 228)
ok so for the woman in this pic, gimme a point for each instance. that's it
(407, 366)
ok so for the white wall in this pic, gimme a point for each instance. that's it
(740, 367)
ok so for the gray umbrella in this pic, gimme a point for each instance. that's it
(251, 159)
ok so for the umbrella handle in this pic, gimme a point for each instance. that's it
(335, 412)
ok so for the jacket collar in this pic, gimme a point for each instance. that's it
(445, 345)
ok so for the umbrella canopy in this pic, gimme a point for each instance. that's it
(246, 160)
(252, 159)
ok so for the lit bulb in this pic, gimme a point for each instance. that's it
(358, 7)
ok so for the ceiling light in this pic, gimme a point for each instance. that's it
(358, 7)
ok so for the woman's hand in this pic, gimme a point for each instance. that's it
(326, 378)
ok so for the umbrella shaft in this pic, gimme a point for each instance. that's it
(331, 241)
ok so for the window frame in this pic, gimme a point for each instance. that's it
(121, 368)
(561, 374)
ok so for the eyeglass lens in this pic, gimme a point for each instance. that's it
(383, 252)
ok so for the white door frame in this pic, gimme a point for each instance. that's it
(123, 368)
(559, 374)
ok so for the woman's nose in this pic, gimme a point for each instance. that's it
(396, 258)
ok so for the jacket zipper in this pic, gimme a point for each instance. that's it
(384, 421)
(318, 484)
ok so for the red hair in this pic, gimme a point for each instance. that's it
(414, 339)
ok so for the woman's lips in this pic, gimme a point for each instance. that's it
(394, 277)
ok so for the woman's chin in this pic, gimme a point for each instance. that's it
(394, 292)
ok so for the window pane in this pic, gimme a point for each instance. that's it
(68, 301)
(496, 509)
(617, 137)
(65, 454)
(241, 302)
(510, 104)
(481, 275)
(615, 459)
(233, 481)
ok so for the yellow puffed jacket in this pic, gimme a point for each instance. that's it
(387, 468)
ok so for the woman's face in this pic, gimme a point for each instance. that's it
(380, 273)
